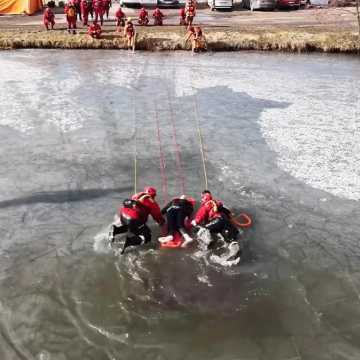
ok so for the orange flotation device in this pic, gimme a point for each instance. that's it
(242, 220)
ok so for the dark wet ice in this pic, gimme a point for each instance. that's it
(281, 138)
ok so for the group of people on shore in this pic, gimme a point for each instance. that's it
(97, 9)
(211, 221)
(81, 9)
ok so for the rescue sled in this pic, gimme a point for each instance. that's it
(173, 244)
(178, 240)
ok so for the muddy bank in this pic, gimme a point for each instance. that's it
(172, 38)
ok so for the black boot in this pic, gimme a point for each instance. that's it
(132, 241)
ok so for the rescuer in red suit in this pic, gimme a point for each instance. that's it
(158, 17)
(143, 17)
(70, 11)
(98, 7)
(120, 18)
(94, 30)
(84, 6)
(49, 18)
(134, 215)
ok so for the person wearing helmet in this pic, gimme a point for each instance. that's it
(190, 12)
(182, 16)
(134, 215)
(214, 218)
(158, 17)
(49, 17)
(107, 5)
(197, 38)
(149, 206)
(143, 17)
(176, 211)
(84, 6)
(70, 12)
(94, 30)
(98, 6)
(132, 223)
(129, 32)
(120, 18)
(199, 42)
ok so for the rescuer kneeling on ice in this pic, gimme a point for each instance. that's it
(94, 30)
(176, 211)
(134, 215)
(214, 218)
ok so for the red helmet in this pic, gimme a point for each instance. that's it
(206, 197)
(150, 191)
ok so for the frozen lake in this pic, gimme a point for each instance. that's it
(281, 136)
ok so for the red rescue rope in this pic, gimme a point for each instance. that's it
(179, 167)
(162, 159)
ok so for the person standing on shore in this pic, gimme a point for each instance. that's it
(49, 18)
(182, 17)
(143, 17)
(158, 17)
(84, 5)
(90, 8)
(120, 18)
(98, 6)
(107, 6)
(70, 11)
(129, 32)
(190, 12)
(78, 8)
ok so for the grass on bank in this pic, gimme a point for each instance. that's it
(172, 38)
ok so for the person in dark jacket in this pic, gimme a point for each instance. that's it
(176, 212)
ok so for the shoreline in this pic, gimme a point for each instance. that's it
(332, 30)
(172, 39)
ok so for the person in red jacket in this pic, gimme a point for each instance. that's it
(70, 11)
(148, 205)
(130, 33)
(214, 218)
(49, 18)
(158, 17)
(143, 17)
(94, 30)
(182, 16)
(84, 6)
(190, 14)
(120, 18)
(134, 215)
(78, 8)
(98, 7)
(107, 6)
